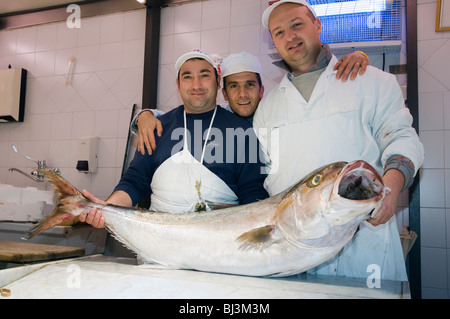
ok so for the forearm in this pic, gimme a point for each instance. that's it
(394, 180)
(134, 123)
(404, 166)
(120, 198)
(135, 183)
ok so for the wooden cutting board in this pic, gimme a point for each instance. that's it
(17, 252)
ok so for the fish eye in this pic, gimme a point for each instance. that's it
(316, 180)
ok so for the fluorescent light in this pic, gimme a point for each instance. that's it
(349, 7)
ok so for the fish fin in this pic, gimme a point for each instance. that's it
(63, 206)
(258, 238)
(215, 206)
(55, 218)
(61, 185)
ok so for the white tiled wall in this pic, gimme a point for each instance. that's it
(434, 125)
(108, 80)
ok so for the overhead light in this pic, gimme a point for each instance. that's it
(142, 1)
(349, 7)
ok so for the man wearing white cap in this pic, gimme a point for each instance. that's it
(316, 120)
(197, 161)
(242, 85)
(242, 89)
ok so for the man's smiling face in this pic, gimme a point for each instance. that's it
(295, 33)
(198, 85)
(243, 92)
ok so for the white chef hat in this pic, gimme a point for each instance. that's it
(240, 62)
(196, 53)
(268, 11)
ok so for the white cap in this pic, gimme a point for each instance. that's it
(196, 53)
(240, 62)
(268, 11)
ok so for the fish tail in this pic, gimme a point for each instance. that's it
(68, 199)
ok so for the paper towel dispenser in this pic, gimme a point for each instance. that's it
(12, 94)
(87, 154)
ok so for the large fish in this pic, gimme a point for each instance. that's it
(283, 235)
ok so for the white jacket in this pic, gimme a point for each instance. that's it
(361, 119)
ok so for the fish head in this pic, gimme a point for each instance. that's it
(357, 192)
(336, 196)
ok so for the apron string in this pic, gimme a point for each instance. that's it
(207, 136)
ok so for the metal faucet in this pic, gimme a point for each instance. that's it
(36, 175)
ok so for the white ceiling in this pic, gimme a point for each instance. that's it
(9, 7)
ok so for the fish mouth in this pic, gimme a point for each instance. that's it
(360, 181)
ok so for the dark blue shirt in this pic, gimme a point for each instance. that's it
(232, 153)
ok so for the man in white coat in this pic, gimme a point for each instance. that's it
(312, 119)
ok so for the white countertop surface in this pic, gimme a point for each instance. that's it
(119, 278)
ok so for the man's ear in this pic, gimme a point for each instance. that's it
(225, 96)
(318, 25)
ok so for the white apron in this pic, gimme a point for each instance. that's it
(321, 141)
(182, 184)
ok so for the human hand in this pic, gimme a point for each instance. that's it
(94, 217)
(351, 65)
(394, 180)
(147, 123)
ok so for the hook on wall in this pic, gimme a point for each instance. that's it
(70, 70)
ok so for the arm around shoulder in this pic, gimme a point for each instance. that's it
(144, 124)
